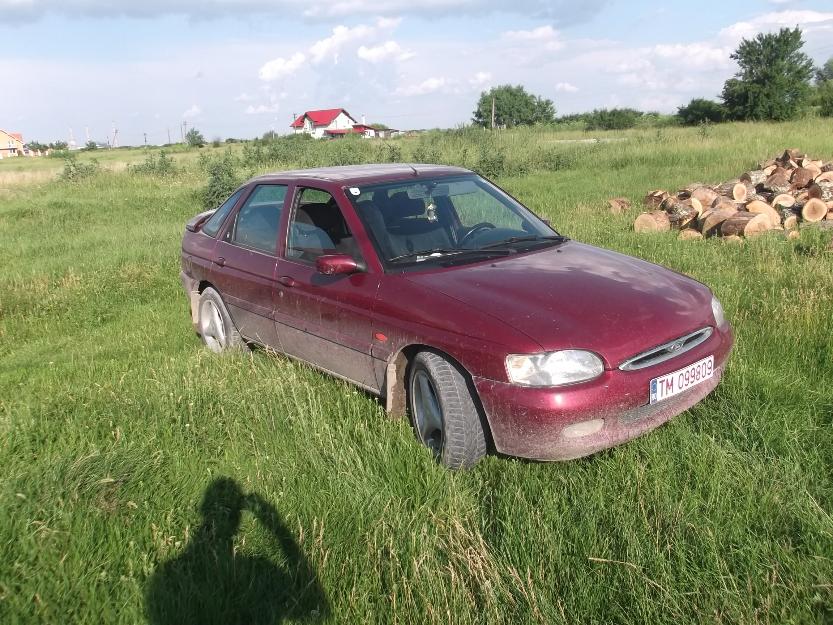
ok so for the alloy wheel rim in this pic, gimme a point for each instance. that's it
(427, 412)
(212, 327)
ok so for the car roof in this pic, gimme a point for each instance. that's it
(382, 172)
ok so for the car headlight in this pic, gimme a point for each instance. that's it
(553, 368)
(719, 315)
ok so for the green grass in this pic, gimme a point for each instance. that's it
(115, 424)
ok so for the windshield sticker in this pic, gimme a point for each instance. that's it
(355, 191)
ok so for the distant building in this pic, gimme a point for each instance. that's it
(334, 124)
(11, 144)
(323, 123)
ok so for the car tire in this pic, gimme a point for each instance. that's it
(215, 326)
(443, 412)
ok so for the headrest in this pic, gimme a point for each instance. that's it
(399, 205)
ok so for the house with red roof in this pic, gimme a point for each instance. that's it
(11, 144)
(330, 124)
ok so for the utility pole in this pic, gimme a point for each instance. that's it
(146, 138)
(493, 112)
(169, 136)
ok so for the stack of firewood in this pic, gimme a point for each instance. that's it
(781, 194)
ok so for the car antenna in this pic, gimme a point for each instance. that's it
(414, 169)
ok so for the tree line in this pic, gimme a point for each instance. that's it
(775, 81)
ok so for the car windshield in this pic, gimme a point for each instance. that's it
(446, 220)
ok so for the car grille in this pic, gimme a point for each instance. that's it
(666, 351)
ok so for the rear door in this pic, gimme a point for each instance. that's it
(246, 259)
(325, 320)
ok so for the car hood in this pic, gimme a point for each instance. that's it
(579, 296)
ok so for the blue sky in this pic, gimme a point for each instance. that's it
(242, 67)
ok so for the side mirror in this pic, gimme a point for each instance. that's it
(337, 264)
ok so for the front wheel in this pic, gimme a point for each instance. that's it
(443, 411)
(217, 330)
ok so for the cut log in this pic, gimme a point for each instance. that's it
(689, 234)
(814, 210)
(768, 169)
(705, 195)
(619, 205)
(762, 208)
(711, 220)
(826, 190)
(733, 238)
(746, 224)
(826, 176)
(655, 198)
(680, 213)
(777, 183)
(814, 169)
(724, 203)
(801, 178)
(790, 221)
(785, 200)
(655, 221)
(696, 204)
(793, 234)
(735, 189)
(814, 191)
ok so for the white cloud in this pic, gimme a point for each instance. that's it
(244, 97)
(480, 79)
(332, 45)
(430, 85)
(384, 52)
(281, 68)
(566, 87)
(698, 55)
(775, 20)
(544, 38)
(192, 112)
(261, 108)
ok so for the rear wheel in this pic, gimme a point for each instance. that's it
(443, 411)
(216, 327)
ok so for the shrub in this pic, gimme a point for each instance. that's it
(75, 170)
(223, 179)
(825, 98)
(700, 110)
(491, 162)
(612, 119)
(159, 165)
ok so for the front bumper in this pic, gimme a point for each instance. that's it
(191, 286)
(530, 422)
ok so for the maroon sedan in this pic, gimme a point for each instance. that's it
(434, 289)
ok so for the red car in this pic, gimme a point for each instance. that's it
(436, 290)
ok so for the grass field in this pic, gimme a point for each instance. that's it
(145, 479)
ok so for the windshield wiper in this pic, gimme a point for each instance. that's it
(532, 238)
(439, 252)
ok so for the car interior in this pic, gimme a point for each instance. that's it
(319, 228)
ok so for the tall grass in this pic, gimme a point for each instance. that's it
(115, 423)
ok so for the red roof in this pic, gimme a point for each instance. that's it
(17, 135)
(323, 117)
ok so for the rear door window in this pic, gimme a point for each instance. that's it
(212, 226)
(258, 220)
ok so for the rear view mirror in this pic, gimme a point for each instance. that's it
(337, 264)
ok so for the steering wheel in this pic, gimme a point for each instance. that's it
(483, 225)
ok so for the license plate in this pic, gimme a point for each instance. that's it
(681, 380)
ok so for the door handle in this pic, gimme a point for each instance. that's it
(221, 261)
(287, 281)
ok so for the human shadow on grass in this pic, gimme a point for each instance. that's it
(210, 583)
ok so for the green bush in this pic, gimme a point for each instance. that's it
(223, 179)
(825, 98)
(155, 165)
(613, 119)
(75, 170)
(700, 110)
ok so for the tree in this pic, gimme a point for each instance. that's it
(90, 145)
(774, 78)
(824, 97)
(513, 107)
(700, 110)
(59, 145)
(825, 72)
(194, 138)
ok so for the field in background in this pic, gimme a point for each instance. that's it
(115, 423)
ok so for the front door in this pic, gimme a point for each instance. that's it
(324, 320)
(246, 259)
